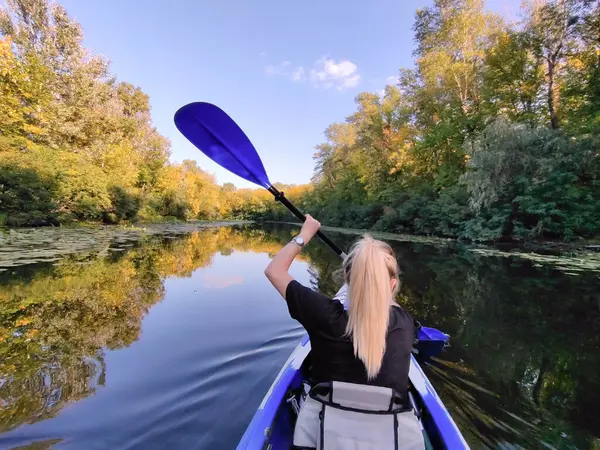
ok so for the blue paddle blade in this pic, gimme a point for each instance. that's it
(216, 135)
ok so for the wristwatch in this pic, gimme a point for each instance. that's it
(299, 241)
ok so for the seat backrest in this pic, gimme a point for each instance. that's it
(362, 396)
(340, 416)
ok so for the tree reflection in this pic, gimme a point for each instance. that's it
(522, 369)
(56, 322)
(524, 363)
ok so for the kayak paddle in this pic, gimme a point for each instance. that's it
(217, 135)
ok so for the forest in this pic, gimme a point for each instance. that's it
(493, 135)
(76, 144)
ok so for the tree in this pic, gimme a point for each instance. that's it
(455, 148)
(580, 91)
(512, 80)
(533, 182)
(24, 97)
(444, 90)
(59, 104)
(551, 26)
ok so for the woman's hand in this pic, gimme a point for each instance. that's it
(277, 270)
(309, 228)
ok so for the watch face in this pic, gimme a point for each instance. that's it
(299, 240)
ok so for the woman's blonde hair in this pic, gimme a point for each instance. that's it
(368, 270)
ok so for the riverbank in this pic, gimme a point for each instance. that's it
(24, 246)
(569, 258)
(592, 245)
(526, 246)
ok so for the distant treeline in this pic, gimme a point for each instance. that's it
(494, 135)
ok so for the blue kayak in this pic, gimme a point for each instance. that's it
(272, 426)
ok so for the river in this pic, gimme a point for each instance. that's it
(169, 336)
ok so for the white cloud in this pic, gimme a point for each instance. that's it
(330, 74)
(298, 74)
(389, 81)
(326, 73)
(221, 282)
(392, 80)
(279, 69)
(284, 68)
(262, 54)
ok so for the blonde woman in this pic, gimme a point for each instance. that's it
(372, 341)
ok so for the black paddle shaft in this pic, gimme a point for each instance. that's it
(295, 211)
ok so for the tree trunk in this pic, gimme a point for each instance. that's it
(554, 122)
(509, 226)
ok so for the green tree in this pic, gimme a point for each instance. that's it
(61, 106)
(452, 37)
(512, 80)
(580, 91)
(527, 183)
(551, 27)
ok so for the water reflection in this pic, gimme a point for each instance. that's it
(57, 323)
(525, 340)
(184, 335)
(523, 369)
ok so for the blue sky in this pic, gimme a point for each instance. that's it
(283, 70)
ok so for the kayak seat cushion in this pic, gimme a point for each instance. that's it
(347, 416)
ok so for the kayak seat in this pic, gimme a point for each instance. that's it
(345, 416)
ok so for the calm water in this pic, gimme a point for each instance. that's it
(171, 340)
